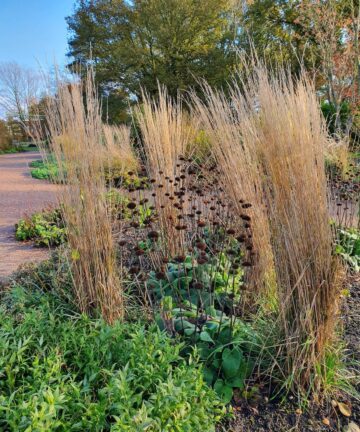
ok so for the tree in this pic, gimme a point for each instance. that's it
(19, 88)
(321, 36)
(270, 27)
(5, 137)
(137, 44)
(334, 25)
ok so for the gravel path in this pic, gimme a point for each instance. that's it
(19, 194)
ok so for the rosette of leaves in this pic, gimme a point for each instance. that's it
(44, 228)
(348, 247)
(201, 284)
(227, 346)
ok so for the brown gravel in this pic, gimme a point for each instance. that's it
(19, 194)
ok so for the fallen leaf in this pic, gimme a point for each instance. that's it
(344, 409)
(326, 421)
(352, 427)
(254, 410)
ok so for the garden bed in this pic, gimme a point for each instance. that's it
(263, 415)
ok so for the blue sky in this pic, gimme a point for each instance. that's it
(33, 31)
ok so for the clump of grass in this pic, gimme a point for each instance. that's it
(292, 138)
(270, 139)
(230, 128)
(76, 141)
(118, 151)
(165, 135)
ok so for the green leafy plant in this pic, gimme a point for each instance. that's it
(194, 297)
(19, 149)
(348, 247)
(119, 206)
(227, 346)
(214, 281)
(44, 170)
(118, 178)
(45, 228)
(330, 113)
(62, 371)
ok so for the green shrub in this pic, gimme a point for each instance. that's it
(329, 112)
(19, 149)
(119, 206)
(348, 247)
(11, 150)
(227, 347)
(196, 300)
(44, 170)
(64, 372)
(45, 228)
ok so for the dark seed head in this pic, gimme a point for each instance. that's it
(202, 260)
(160, 275)
(200, 245)
(134, 269)
(153, 235)
(179, 259)
(245, 217)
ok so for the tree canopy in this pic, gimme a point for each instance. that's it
(137, 44)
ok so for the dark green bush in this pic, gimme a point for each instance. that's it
(45, 228)
(62, 372)
(329, 112)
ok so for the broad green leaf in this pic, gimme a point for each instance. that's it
(231, 360)
(236, 382)
(209, 375)
(205, 336)
(225, 392)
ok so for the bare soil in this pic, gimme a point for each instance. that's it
(20, 194)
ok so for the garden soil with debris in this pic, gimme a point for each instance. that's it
(262, 415)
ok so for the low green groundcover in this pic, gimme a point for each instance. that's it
(45, 228)
(64, 372)
(45, 170)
